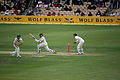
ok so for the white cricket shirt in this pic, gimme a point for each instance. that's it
(79, 39)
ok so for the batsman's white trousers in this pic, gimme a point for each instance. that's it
(45, 46)
(79, 47)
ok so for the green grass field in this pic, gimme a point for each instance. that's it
(99, 39)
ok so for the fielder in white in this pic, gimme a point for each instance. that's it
(17, 43)
(43, 43)
(80, 42)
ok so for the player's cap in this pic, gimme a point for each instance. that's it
(75, 34)
(18, 36)
(41, 34)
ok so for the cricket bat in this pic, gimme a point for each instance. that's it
(32, 36)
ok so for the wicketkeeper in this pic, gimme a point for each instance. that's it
(80, 42)
(17, 43)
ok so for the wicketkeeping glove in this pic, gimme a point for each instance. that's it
(75, 42)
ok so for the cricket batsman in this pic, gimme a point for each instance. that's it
(43, 43)
(80, 42)
(17, 43)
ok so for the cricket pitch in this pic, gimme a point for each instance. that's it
(58, 53)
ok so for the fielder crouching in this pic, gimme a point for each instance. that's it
(17, 43)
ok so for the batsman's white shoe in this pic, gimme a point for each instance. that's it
(12, 53)
(80, 53)
(54, 52)
(19, 56)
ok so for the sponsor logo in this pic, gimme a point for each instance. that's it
(17, 18)
(118, 20)
(69, 20)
